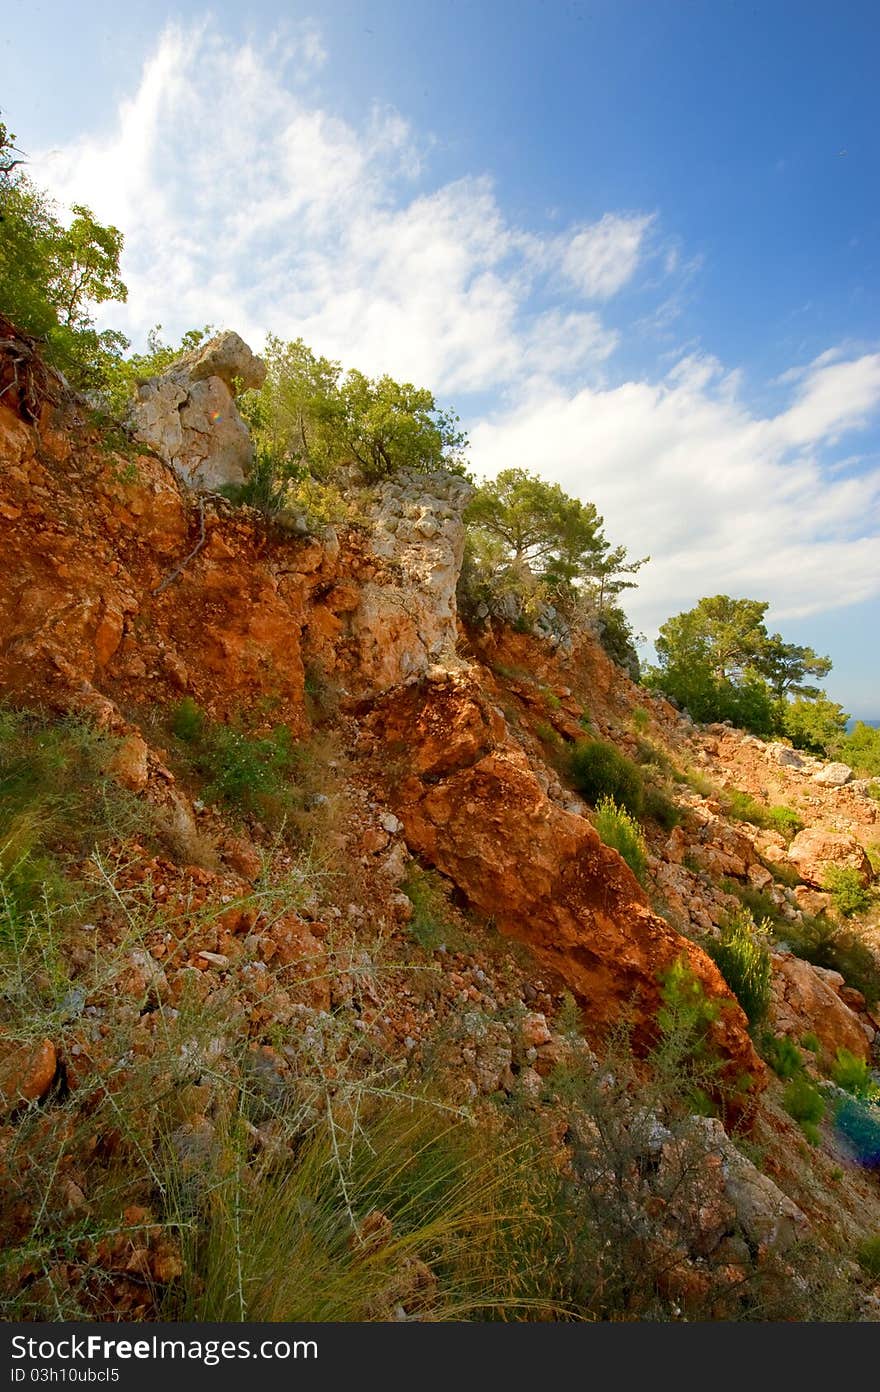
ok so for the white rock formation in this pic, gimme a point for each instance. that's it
(189, 417)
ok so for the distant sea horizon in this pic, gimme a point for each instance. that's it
(860, 720)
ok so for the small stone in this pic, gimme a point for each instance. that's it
(216, 959)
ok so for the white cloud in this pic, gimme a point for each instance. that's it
(269, 212)
(599, 260)
(248, 204)
(723, 499)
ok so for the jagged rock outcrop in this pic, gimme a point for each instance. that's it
(472, 806)
(405, 621)
(189, 417)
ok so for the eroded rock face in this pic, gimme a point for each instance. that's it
(472, 806)
(815, 849)
(405, 623)
(189, 417)
(806, 1000)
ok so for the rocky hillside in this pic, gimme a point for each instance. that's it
(290, 854)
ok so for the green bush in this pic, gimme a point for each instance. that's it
(599, 770)
(430, 925)
(743, 958)
(622, 832)
(806, 1105)
(853, 1075)
(243, 771)
(784, 820)
(782, 1055)
(848, 893)
(187, 721)
(660, 807)
(868, 1255)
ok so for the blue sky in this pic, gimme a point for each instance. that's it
(635, 245)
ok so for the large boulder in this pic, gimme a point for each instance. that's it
(189, 417)
(833, 775)
(807, 1000)
(814, 849)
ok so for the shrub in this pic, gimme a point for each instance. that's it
(812, 1043)
(782, 1055)
(858, 1122)
(848, 893)
(806, 1105)
(640, 719)
(784, 820)
(742, 807)
(868, 1256)
(187, 720)
(743, 958)
(622, 832)
(599, 770)
(853, 1075)
(430, 924)
(660, 807)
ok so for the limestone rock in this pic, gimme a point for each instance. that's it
(189, 417)
(814, 849)
(472, 806)
(833, 775)
(784, 756)
(406, 622)
(769, 1220)
(129, 763)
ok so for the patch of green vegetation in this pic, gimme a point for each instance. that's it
(660, 807)
(811, 1042)
(784, 820)
(622, 832)
(805, 1105)
(598, 769)
(868, 1256)
(640, 719)
(782, 1055)
(431, 924)
(848, 894)
(58, 801)
(853, 1075)
(743, 958)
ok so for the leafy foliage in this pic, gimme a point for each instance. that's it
(853, 1075)
(861, 749)
(52, 274)
(806, 1105)
(743, 958)
(719, 661)
(600, 770)
(621, 831)
(311, 420)
(848, 893)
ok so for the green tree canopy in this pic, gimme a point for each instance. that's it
(310, 418)
(719, 661)
(727, 635)
(785, 665)
(52, 274)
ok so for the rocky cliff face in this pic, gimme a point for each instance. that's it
(127, 587)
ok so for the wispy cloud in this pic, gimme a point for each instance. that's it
(271, 212)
